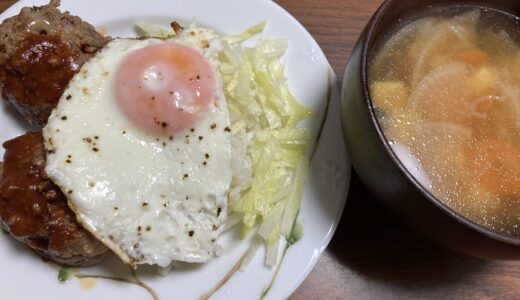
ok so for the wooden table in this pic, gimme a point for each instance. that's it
(371, 255)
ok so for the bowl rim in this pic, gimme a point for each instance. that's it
(368, 40)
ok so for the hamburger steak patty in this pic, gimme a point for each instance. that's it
(40, 50)
(35, 211)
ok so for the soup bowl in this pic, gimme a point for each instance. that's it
(379, 167)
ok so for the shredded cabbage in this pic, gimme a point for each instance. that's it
(153, 30)
(261, 103)
(265, 113)
(246, 34)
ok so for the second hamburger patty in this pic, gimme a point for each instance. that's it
(40, 50)
(35, 211)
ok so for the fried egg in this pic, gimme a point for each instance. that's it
(140, 144)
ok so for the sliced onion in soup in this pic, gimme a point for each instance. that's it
(443, 94)
(438, 47)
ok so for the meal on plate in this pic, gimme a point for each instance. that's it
(447, 93)
(150, 147)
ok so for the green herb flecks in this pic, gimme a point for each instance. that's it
(65, 274)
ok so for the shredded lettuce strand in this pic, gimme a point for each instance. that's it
(260, 102)
(153, 30)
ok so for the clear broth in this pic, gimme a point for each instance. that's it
(446, 90)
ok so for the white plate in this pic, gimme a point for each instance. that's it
(25, 276)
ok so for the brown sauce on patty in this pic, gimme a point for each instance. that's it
(39, 71)
(29, 199)
(35, 211)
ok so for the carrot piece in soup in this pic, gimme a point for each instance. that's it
(499, 163)
(473, 57)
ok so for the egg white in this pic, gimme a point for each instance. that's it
(151, 200)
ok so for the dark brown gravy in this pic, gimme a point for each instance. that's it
(40, 70)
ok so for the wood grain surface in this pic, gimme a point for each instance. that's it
(371, 255)
(4, 4)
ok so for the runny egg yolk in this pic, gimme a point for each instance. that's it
(164, 88)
